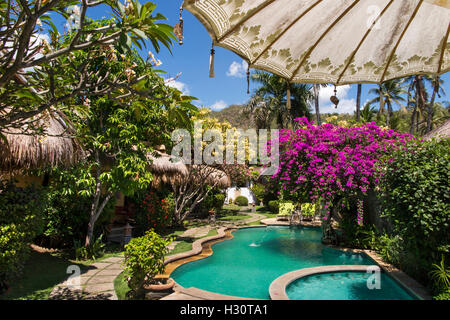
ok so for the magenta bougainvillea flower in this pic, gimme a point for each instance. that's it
(329, 161)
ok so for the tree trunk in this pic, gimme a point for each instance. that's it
(389, 113)
(96, 211)
(431, 104)
(420, 101)
(316, 88)
(381, 109)
(94, 217)
(358, 103)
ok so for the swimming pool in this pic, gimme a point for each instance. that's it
(346, 286)
(246, 265)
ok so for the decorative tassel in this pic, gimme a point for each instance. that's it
(211, 62)
(288, 96)
(248, 79)
(178, 28)
(334, 98)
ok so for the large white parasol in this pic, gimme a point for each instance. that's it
(332, 41)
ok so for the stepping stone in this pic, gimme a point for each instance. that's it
(115, 266)
(101, 280)
(109, 272)
(64, 293)
(113, 260)
(99, 265)
(99, 288)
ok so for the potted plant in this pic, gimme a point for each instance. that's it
(144, 259)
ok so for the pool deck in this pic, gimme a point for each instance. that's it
(201, 249)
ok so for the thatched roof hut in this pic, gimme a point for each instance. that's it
(26, 150)
(440, 132)
(166, 169)
(212, 176)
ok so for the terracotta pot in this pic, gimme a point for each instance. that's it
(161, 287)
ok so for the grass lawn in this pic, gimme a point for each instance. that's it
(121, 286)
(186, 244)
(44, 270)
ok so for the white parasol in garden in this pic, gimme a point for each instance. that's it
(332, 41)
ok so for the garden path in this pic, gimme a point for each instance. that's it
(95, 283)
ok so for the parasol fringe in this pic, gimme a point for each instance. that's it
(211, 62)
(178, 28)
(248, 79)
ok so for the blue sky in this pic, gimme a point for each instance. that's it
(229, 85)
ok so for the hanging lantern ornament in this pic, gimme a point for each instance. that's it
(334, 99)
(178, 28)
(211, 62)
(248, 79)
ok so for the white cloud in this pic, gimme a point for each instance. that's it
(346, 105)
(183, 87)
(238, 70)
(219, 105)
(327, 92)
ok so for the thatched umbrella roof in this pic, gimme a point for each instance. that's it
(440, 132)
(166, 168)
(212, 176)
(221, 177)
(27, 150)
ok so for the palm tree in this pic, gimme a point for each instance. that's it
(273, 94)
(388, 93)
(358, 103)
(421, 109)
(367, 113)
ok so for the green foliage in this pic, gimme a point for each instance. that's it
(241, 201)
(259, 190)
(66, 215)
(443, 296)
(93, 251)
(20, 222)
(417, 202)
(285, 209)
(219, 200)
(273, 206)
(308, 209)
(144, 259)
(153, 210)
(440, 275)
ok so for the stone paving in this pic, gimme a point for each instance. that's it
(95, 283)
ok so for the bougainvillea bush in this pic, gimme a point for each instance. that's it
(332, 163)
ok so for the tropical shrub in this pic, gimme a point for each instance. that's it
(153, 212)
(440, 275)
(66, 215)
(20, 221)
(308, 209)
(259, 191)
(416, 193)
(273, 206)
(241, 201)
(144, 259)
(94, 250)
(219, 200)
(285, 209)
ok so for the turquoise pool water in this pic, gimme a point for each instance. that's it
(345, 286)
(246, 265)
